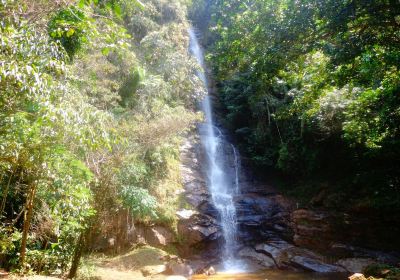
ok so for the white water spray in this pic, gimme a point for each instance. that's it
(220, 184)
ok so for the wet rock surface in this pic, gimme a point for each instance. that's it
(196, 192)
(179, 268)
(259, 258)
(272, 231)
(200, 265)
(312, 229)
(261, 217)
(349, 251)
(287, 255)
(355, 265)
(314, 264)
(198, 228)
(198, 224)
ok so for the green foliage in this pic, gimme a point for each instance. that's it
(89, 135)
(373, 116)
(68, 27)
(139, 202)
(9, 243)
(382, 270)
(33, 151)
(129, 88)
(310, 88)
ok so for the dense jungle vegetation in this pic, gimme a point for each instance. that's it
(311, 89)
(94, 95)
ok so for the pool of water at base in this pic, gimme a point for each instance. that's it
(272, 275)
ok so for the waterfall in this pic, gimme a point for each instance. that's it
(220, 183)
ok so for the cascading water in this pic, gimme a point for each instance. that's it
(223, 170)
(220, 183)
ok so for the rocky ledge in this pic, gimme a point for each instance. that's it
(196, 228)
(198, 225)
(273, 231)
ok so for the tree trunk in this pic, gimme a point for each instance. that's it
(5, 194)
(302, 126)
(27, 222)
(77, 255)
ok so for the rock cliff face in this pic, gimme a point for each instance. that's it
(272, 231)
(264, 220)
(312, 229)
(198, 226)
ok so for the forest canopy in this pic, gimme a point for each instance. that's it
(311, 89)
(95, 96)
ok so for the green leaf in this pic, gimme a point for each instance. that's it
(81, 3)
(105, 51)
(117, 10)
(70, 32)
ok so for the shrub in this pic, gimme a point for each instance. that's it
(69, 27)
